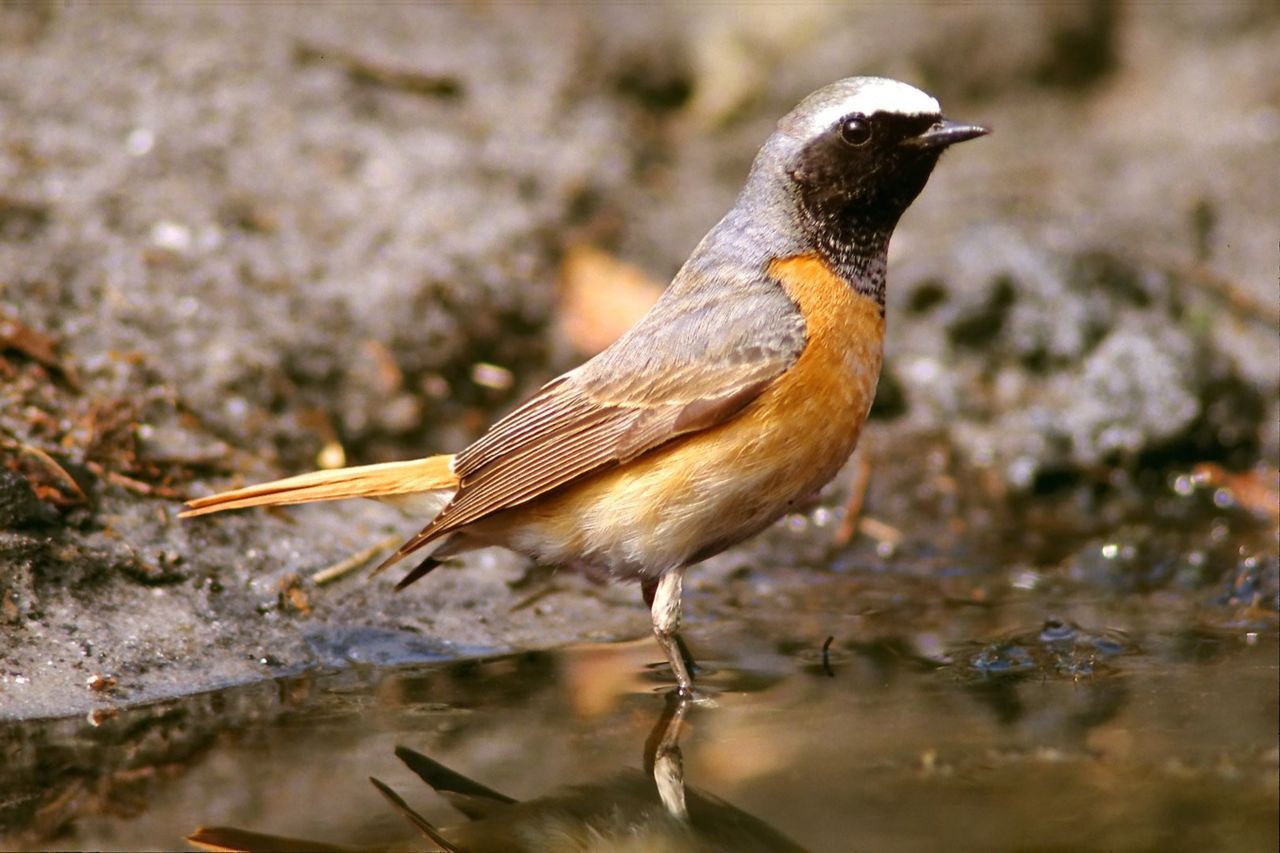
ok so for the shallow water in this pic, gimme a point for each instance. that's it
(1046, 735)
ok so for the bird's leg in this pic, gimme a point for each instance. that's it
(686, 655)
(663, 599)
(650, 589)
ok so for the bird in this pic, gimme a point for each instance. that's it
(739, 394)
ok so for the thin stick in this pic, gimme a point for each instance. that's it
(54, 468)
(857, 495)
(879, 530)
(355, 561)
(826, 656)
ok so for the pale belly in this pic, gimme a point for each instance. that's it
(680, 505)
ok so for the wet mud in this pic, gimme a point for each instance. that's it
(1126, 738)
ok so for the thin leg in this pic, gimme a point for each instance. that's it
(650, 589)
(665, 610)
(687, 655)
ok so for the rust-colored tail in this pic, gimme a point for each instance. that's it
(387, 480)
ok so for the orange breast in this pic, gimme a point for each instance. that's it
(829, 391)
(700, 494)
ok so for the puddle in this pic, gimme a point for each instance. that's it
(1056, 735)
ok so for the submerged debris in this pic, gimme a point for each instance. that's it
(1057, 649)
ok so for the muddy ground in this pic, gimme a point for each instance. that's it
(238, 240)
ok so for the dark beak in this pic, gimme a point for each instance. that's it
(946, 133)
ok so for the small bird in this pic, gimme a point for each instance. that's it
(741, 392)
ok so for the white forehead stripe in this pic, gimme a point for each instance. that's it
(882, 95)
(866, 95)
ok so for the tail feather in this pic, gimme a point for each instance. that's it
(229, 839)
(385, 480)
(468, 796)
(423, 825)
(417, 574)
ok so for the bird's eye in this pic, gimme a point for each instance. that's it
(855, 131)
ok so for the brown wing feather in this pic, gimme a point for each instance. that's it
(531, 418)
(685, 367)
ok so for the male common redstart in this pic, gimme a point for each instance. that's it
(739, 393)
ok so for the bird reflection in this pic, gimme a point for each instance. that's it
(633, 811)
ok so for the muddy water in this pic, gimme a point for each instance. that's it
(1126, 733)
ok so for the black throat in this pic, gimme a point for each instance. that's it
(850, 199)
(858, 252)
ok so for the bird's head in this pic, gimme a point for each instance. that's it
(860, 150)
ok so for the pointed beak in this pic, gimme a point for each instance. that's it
(946, 133)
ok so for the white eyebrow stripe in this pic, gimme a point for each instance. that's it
(866, 95)
(881, 95)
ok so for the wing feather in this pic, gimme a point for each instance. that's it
(693, 362)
